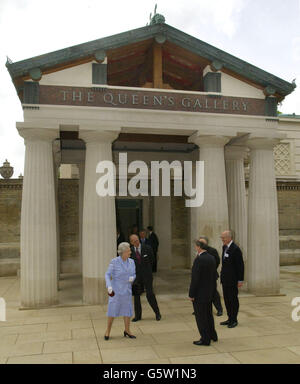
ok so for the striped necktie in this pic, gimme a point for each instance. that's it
(138, 255)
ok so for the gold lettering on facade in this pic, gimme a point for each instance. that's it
(154, 100)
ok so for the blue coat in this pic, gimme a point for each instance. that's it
(117, 276)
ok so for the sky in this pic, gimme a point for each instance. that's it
(265, 33)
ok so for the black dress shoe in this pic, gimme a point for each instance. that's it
(136, 319)
(233, 325)
(158, 317)
(193, 313)
(220, 313)
(106, 337)
(215, 339)
(201, 343)
(225, 322)
(128, 335)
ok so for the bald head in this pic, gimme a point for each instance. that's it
(134, 240)
(227, 237)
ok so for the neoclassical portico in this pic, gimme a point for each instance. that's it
(156, 94)
(224, 207)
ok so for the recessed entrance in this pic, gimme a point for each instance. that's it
(129, 213)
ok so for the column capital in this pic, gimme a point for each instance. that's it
(209, 141)
(255, 142)
(95, 136)
(38, 134)
(236, 152)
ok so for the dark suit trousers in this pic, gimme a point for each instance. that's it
(154, 266)
(150, 297)
(231, 302)
(217, 301)
(205, 321)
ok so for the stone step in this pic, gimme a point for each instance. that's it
(290, 242)
(290, 257)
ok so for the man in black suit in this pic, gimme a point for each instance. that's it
(232, 277)
(202, 289)
(214, 252)
(143, 238)
(154, 242)
(143, 257)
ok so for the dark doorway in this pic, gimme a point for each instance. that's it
(129, 213)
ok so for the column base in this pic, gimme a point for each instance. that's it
(48, 304)
(260, 291)
(94, 291)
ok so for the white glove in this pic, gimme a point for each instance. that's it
(131, 279)
(109, 289)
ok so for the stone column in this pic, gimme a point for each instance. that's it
(99, 219)
(81, 196)
(163, 228)
(56, 181)
(236, 191)
(263, 230)
(56, 165)
(212, 218)
(38, 221)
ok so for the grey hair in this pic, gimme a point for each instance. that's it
(122, 248)
(200, 244)
(205, 238)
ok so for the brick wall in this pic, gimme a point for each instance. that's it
(289, 219)
(10, 215)
(68, 205)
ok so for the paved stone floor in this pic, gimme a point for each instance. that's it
(74, 334)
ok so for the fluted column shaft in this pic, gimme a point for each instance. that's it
(99, 220)
(263, 230)
(236, 191)
(38, 221)
(212, 218)
(81, 196)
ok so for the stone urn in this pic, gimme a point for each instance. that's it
(6, 171)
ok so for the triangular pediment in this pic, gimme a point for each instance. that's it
(130, 61)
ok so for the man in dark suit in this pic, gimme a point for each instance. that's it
(143, 238)
(154, 242)
(214, 252)
(143, 257)
(202, 288)
(232, 277)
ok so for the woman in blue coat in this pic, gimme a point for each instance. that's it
(119, 278)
